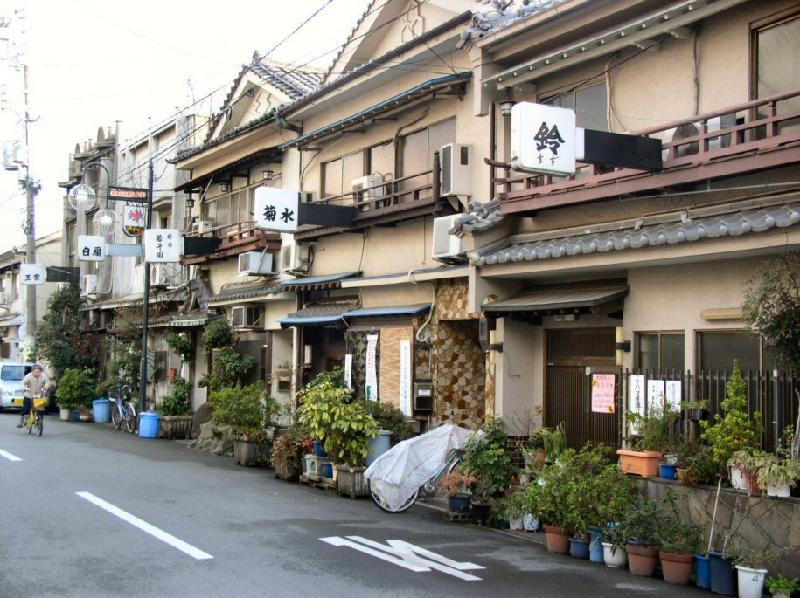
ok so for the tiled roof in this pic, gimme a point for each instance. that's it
(246, 290)
(294, 83)
(487, 22)
(731, 224)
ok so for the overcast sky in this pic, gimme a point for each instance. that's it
(93, 62)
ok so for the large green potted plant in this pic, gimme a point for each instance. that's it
(487, 458)
(679, 541)
(644, 540)
(76, 389)
(652, 434)
(347, 444)
(780, 586)
(318, 399)
(244, 409)
(175, 410)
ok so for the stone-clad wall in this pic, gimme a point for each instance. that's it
(761, 523)
(460, 374)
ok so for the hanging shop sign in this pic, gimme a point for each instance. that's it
(371, 369)
(603, 393)
(281, 210)
(133, 220)
(91, 248)
(405, 378)
(32, 274)
(130, 194)
(163, 245)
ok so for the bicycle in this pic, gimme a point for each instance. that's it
(35, 417)
(123, 413)
(427, 489)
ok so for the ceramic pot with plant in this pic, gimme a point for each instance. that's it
(76, 388)
(752, 567)
(780, 586)
(458, 485)
(679, 541)
(614, 540)
(742, 467)
(642, 527)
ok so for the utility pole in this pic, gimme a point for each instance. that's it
(146, 315)
(31, 189)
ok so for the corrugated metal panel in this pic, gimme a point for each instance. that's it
(300, 283)
(402, 310)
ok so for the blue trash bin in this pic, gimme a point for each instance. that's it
(150, 425)
(101, 410)
(723, 574)
(379, 445)
(702, 571)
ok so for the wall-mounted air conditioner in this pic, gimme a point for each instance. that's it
(368, 187)
(446, 247)
(294, 258)
(246, 316)
(88, 284)
(456, 176)
(201, 226)
(255, 262)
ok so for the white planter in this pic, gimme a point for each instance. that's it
(780, 491)
(739, 479)
(751, 581)
(516, 524)
(614, 557)
(64, 414)
(671, 459)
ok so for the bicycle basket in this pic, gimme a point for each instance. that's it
(40, 404)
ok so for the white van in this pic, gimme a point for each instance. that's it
(11, 375)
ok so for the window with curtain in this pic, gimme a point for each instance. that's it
(418, 147)
(774, 71)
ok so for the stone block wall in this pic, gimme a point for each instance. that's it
(761, 523)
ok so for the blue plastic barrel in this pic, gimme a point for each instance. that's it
(327, 470)
(379, 445)
(319, 449)
(150, 425)
(101, 411)
(702, 571)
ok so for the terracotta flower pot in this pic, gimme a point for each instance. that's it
(642, 559)
(643, 463)
(557, 539)
(676, 566)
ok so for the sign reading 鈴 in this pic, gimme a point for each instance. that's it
(543, 139)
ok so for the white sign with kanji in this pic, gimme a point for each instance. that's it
(543, 139)
(162, 245)
(32, 273)
(91, 248)
(276, 209)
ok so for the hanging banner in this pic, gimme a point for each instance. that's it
(348, 370)
(603, 393)
(371, 370)
(405, 378)
(133, 217)
(673, 395)
(655, 396)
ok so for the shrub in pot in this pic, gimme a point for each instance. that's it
(782, 587)
(752, 567)
(287, 453)
(614, 540)
(246, 410)
(774, 475)
(641, 525)
(318, 400)
(458, 486)
(487, 458)
(679, 542)
(347, 444)
(645, 446)
(175, 410)
(76, 389)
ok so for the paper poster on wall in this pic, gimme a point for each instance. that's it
(405, 377)
(603, 387)
(636, 394)
(673, 395)
(655, 396)
(348, 370)
(370, 366)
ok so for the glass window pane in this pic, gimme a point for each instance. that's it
(332, 177)
(223, 210)
(673, 352)
(381, 159)
(440, 134)
(775, 73)
(648, 351)
(352, 168)
(719, 349)
(234, 209)
(591, 111)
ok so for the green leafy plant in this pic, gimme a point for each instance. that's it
(554, 441)
(488, 459)
(181, 343)
(318, 399)
(76, 388)
(697, 465)
(734, 430)
(392, 419)
(676, 536)
(243, 408)
(347, 438)
(217, 334)
(616, 535)
(457, 483)
(654, 431)
(228, 369)
(641, 523)
(768, 469)
(177, 402)
(780, 584)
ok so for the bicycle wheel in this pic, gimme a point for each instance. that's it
(130, 418)
(116, 416)
(381, 504)
(40, 425)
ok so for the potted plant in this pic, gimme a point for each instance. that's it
(175, 410)
(488, 459)
(287, 453)
(641, 526)
(619, 494)
(245, 409)
(752, 567)
(347, 444)
(614, 540)
(782, 587)
(679, 541)
(318, 399)
(458, 486)
(774, 475)
(652, 433)
(695, 465)
(393, 428)
(76, 389)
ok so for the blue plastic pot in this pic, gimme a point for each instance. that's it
(579, 549)
(596, 544)
(702, 571)
(319, 450)
(668, 472)
(101, 411)
(723, 574)
(76, 415)
(327, 470)
(150, 425)
(379, 445)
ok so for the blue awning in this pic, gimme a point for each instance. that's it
(325, 314)
(401, 310)
(317, 282)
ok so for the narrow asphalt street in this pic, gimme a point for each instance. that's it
(88, 511)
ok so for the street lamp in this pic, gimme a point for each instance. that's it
(82, 197)
(104, 221)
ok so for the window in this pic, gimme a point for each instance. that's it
(590, 105)
(338, 175)
(381, 159)
(661, 350)
(717, 350)
(773, 73)
(418, 147)
(14, 373)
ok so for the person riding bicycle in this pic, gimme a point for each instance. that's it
(34, 384)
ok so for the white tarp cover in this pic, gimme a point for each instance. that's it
(401, 470)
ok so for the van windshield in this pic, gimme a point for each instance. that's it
(14, 373)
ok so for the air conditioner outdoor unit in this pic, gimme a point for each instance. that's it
(294, 258)
(446, 247)
(456, 159)
(255, 262)
(245, 316)
(88, 284)
(368, 187)
(201, 226)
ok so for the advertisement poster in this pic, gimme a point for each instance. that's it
(405, 378)
(673, 396)
(603, 387)
(371, 373)
(655, 396)
(636, 394)
(348, 370)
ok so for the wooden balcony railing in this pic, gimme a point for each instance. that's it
(755, 135)
(235, 238)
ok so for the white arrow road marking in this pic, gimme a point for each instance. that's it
(9, 456)
(408, 556)
(192, 551)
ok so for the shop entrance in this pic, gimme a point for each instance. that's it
(567, 388)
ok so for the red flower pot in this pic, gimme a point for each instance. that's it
(557, 539)
(642, 559)
(677, 567)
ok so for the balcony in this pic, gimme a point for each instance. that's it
(236, 238)
(386, 203)
(737, 140)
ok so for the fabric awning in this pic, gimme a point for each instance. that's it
(319, 314)
(398, 310)
(549, 299)
(328, 281)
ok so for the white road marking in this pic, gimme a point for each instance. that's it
(408, 556)
(192, 551)
(9, 456)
